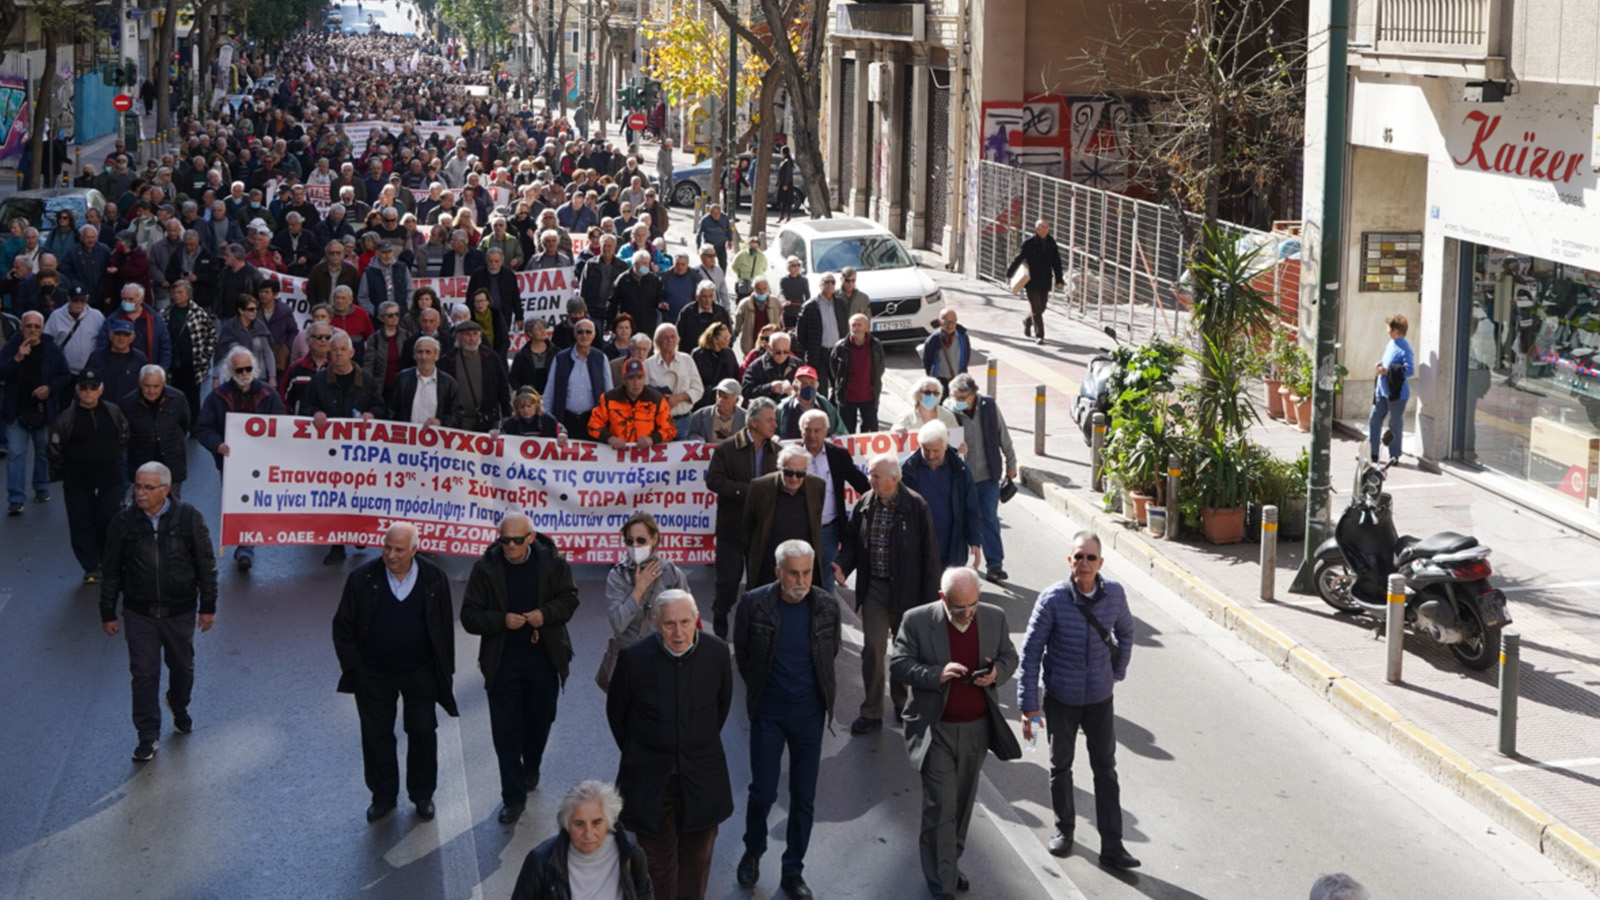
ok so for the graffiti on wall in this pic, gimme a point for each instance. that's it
(1083, 139)
(13, 117)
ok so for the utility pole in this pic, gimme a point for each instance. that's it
(587, 95)
(1329, 272)
(731, 119)
(553, 101)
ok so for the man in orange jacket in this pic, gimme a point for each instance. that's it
(632, 414)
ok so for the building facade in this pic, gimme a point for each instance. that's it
(1473, 208)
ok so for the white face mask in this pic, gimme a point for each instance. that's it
(640, 554)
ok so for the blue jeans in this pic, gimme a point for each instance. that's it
(1396, 412)
(994, 551)
(830, 552)
(801, 731)
(17, 438)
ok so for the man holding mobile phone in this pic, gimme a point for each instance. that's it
(1080, 635)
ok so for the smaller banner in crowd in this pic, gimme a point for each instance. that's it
(544, 295)
(291, 481)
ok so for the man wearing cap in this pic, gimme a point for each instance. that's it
(386, 279)
(86, 445)
(805, 398)
(149, 332)
(481, 379)
(722, 419)
(633, 414)
(261, 254)
(824, 321)
(750, 262)
(119, 363)
(75, 326)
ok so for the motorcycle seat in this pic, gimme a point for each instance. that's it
(1437, 544)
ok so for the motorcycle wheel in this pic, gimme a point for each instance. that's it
(1482, 650)
(1332, 579)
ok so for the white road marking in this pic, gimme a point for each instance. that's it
(457, 859)
(1521, 588)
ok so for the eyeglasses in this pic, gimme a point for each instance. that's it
(247, 309)
(517, 539)
(322, 337)
(930, 393)
(584, 331)
(963, 610)
(390, 316)
(637, 540)
(791, 473)
(147, 488)
(245, 369)
(849, 281)
(1085, 557)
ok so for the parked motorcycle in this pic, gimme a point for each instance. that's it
(1094, 395)
(1448, 594)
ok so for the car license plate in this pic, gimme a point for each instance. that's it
(899, 323)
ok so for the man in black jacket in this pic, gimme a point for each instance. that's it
(735, 463)
(242, 393)
(86, 443)
(158, 559)
(481, 380)
(412, 400)
(519, 599)
(341, 391)
(788, 639)
(33, 380)
(1044, 266)
(890, 538)
(394, 639)
(158, 426)
(500, 280)
(669, 698)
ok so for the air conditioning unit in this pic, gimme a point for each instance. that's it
(877, 82)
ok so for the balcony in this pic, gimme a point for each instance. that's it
(1449, 38)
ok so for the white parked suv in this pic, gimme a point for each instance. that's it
(905, 301)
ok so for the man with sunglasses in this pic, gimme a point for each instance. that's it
(239, 392)
(782, 506)
(519, 599)
(1081, 635)
(773, 373)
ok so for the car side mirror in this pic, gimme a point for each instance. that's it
(916, 259)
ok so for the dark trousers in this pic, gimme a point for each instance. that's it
(680, 863)
(577, 425)
(183, 378)
(522, 707)
(785, 201)
(1100, 735)
(801, 732)
(377, 694)
(149, 640)
(949, 788)
(1038, 298)
(859, 418)
(730, 570)
(89, 513)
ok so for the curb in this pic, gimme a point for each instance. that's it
(1573, 853)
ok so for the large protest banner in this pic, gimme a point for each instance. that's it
(289, 480)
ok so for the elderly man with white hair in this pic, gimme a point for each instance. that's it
(673, 773)
(674, 374)
(395, 641)
(243, 390)
(591, 856)
(936, 471)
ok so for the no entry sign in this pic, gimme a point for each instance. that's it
(122, 103)
(636, 121)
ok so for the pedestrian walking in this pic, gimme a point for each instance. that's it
(992, 460)
(159, 563)
(86, 446)
(782, 506)
(1043, 259)
(33, 379)
(735, 463)
(1079, 638)
(1389, 395)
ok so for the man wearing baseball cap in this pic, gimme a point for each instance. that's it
(805, 396)
(86, 445)
(722, 419)
(118, 365)
(633, 414)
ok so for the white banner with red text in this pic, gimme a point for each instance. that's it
(290, 481)
(544, 294)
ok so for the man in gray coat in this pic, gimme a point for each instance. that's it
(952, 654)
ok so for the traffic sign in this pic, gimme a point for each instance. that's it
(122, 103)
(635, 121)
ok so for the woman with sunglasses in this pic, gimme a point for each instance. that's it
(63, 237)
(638, 579)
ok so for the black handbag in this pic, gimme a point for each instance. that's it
(1008, 489)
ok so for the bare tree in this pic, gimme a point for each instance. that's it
(163, 65)
(59, 21)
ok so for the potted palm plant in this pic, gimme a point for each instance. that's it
(1221, 470)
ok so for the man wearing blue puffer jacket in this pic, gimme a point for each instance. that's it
(1081, 634)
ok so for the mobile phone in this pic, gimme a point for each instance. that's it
(977, 673)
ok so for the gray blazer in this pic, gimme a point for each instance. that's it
(921, 649)
(701, 422)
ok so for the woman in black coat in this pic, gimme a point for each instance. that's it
(1044, 260)
(716, 360)
(588, 818)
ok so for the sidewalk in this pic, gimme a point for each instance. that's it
(1443, 717)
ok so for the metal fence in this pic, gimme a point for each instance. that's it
(1124, 259)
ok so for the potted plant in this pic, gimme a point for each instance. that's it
(1221, 472)
(1279, 358)
(1297, 381)
(1281, 483)
(1141, 423)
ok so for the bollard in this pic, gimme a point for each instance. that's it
(994, 377)
(1097, 449)
(1510, 687)
(1174, 518)
(1395, 627)
(1038, 420)
(1269, 551)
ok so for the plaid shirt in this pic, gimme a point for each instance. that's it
(880, 534)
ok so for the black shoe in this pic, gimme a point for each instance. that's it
(146, 751)
(899, 715)
(997, 575)
(1027, 326)
(749, 871)
(532, 776)
(795, 887)
(719, 626)
(1119, 858)
(182, 722)
(243, 563)
(509, 814)
(425, 811)
(962, 884)
(864, 725)
(41, 496)
(14, 510)
(1061, 845)
(1040, 340)
(335, 556)
(379, 809)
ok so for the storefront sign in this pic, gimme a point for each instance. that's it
(291, 481)
(1493, 142)
(880, 21)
